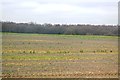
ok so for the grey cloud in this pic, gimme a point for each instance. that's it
(107, 11)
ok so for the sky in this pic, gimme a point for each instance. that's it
(60, 11)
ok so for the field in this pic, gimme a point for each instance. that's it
(59, 56)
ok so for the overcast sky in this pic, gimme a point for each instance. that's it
(60, 11)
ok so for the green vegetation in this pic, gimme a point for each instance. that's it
(79, 29)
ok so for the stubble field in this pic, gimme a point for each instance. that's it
(59, 56)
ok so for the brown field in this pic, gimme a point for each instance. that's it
(59, 56)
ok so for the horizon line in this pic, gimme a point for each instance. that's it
(32, 22)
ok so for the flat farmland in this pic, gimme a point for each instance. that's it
(59, 56)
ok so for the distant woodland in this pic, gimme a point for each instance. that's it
(78, 29)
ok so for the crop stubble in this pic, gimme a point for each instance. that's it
(59, 56)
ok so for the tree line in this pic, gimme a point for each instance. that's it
(72, 29)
